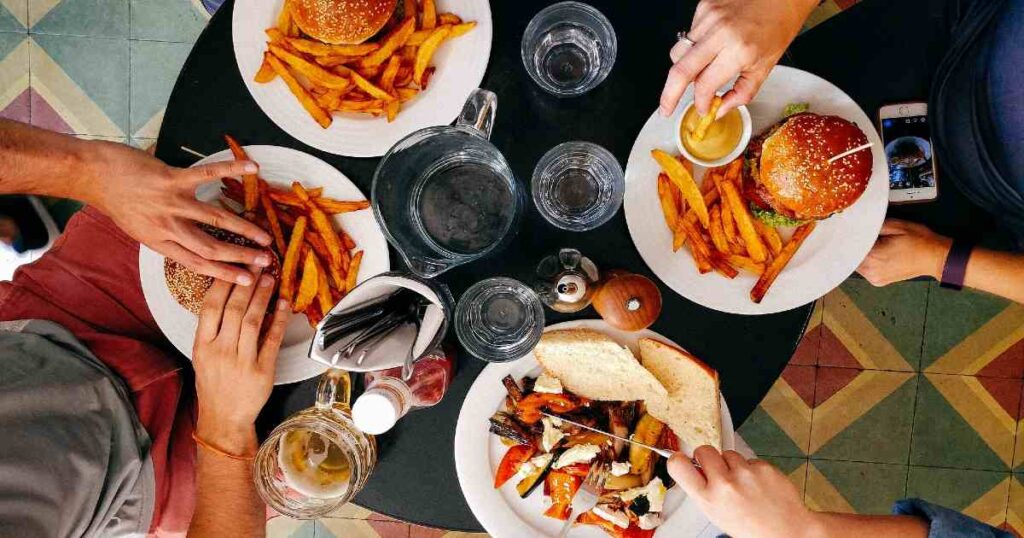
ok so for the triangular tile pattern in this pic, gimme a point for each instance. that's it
(13, 15)
(979, 494)
(848, 486)
(101, 18)
(14, 77)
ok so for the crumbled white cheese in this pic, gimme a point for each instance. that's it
(619, 468)
(577, 454)
(551, 434)
(654, 491)
(649, 521)
(531, 466)
(547, 384)
(617, 517)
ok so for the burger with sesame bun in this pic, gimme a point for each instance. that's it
(788, 178)
(189, 287)
(342, 22)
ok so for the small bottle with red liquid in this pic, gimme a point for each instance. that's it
(388, 398)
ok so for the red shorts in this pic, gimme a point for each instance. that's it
(89, 283)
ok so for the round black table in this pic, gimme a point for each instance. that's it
(415, 479)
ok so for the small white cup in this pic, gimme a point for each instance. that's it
(748, 128)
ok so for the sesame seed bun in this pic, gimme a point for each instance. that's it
(342, 22)
(189, 288)
(791, 174)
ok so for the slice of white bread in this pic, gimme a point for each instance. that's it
(692, 407)
(594, 366)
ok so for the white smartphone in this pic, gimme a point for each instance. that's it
(906, 135)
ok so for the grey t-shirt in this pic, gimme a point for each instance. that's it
(74, 458)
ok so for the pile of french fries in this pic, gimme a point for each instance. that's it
(320, 263)
(370, 78)
(716, 221)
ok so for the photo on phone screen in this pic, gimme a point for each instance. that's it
(908, 148)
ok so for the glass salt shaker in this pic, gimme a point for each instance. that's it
(566, 281)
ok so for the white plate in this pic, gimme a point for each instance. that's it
(460, 63)
(279, 166)
(478, 453)
(831, 253)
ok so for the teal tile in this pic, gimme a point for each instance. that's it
(12, 15)
(866, 488)
(767, 438)
(959, 489)
(945, 438)
(100, 18)
(99, 69)
(897, 311)
(954, 315)
(154, 69)
(179, 21)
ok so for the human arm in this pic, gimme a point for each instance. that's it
(743, 38)
(908, 250)
(234, 377)
(152, 202)
(751, 498)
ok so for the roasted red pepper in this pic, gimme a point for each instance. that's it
(529, 408)
(669, 440)
(510, 463)
(577, 469)
(562, 486)
(636, 532)
(559, 511)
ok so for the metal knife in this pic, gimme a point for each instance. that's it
(659, 451)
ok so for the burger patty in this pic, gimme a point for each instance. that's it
(189, 287)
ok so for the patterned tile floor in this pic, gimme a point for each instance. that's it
(909, 390)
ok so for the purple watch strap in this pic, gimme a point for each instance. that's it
(955, 269)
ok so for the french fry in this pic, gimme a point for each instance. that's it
(250, 182)
(320, 115)
(370, 88)
(426, 52)
(395, 39)
(353, 272)
(284, 18)
(409, 8)
(320, 223)
(708, 183)
(323, 290)
(275, 35)
(360, 106)
(743, 262)
(706, 120)
(392, 109)
(316, 48)
(684, 182)
(732, 171)
(779, 263)
(670, 209)
(337, 62)
(448, 18)
(698, 247)
(291, 259)
(770, 236)
(289, 198)
(717, 233)
(744, 221)
(346, 240)
(314, 72)
(309, 283)
(313, 315)
(460, 29)
(406, 94)
(387, 78)
(265, 73)
(424, 81)
(273, 222)
(428, 15)
(418, 37)
(729, 226)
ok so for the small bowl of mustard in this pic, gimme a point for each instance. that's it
(724, 140)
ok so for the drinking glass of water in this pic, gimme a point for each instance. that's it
(569, 48)
(499, 319)
(578, 186)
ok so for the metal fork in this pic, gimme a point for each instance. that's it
(586, 497)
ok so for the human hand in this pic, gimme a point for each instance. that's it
(156, 205)
(234, 370)
(905, 250)
(743, 498)
(733, 37)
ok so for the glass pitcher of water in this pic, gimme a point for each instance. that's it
(445, 196)
(316, 461)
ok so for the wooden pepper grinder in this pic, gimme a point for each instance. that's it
(627, 301)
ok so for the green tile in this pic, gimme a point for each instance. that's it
(154, 69)
(897, 311)
(870, 488)
(98, 66)
(944, 438)
(956, 488)
(765, 437)
(881, 434)
(952, 316)
(12, 12)
(179, 21)
(101, 18)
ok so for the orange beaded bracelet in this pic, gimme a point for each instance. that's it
(218, 451)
